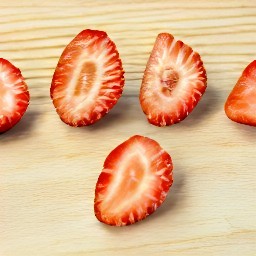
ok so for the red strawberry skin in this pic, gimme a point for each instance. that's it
(241, 103)
(173, 83)
(14, 95)
(88, 80)
(134, 182)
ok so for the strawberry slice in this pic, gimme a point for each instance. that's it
(14, 95)
(173, 82)
(241, 103)
(88, 79)
(134, 182)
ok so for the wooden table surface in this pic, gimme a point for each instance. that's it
(48, 170)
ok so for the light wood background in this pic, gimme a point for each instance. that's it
(48, 170)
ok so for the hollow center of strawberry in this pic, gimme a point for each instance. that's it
(87, 77)
(169, 80)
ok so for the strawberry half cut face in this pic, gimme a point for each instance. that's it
(135, 180)
(88, 79)
(173, 82)
(240, 106)
(14, 95)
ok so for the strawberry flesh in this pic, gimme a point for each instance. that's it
(88, 79)
(241, 103)
(134, 182)
(14, 95)
(173, 82)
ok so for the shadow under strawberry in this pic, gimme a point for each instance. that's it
(206, 106)
(114, 116)
(22, 129)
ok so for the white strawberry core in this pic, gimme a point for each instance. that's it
(8, 90)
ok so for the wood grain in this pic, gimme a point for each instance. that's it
(49, 170)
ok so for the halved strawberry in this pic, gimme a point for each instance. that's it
(14, 95)
(88, 79)
(134, 182)
(241, 103)
(173, 82)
